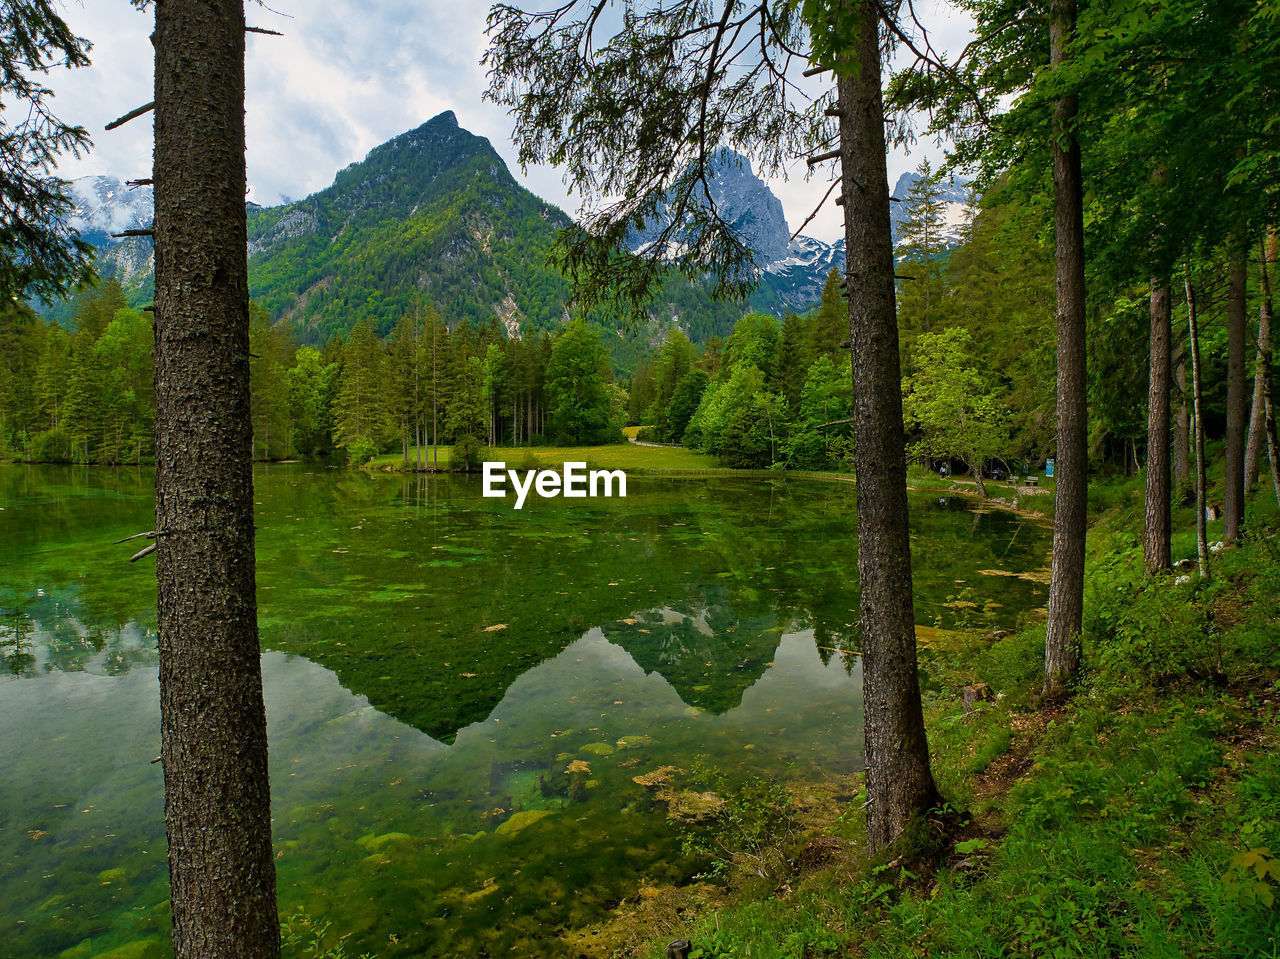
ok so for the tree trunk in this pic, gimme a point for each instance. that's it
(1181, 427)
(212, 723)
(1066, 584)
(1262, 375)
(1193, 333)
(1157, 527)
(982, 487)
(1269, 252)
(1257, 411)
(900, 783)
(1237, 399)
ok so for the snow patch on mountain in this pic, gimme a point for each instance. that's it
(104, 205)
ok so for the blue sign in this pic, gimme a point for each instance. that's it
(1048, 468)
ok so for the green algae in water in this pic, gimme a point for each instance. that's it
(454, 747)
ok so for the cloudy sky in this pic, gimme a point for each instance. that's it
(346, 76)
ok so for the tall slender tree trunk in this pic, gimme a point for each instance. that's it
(1237, 398)
(1262, 373)
(899, 780)
(435, 389)
(1257, 411)
(927, 278)
(1066, 584)
(213, 726)
(1181, 426)
(1269, 251)
(1193, 333)
(1156, 548)
(419, 426)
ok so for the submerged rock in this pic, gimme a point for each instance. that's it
(597, 749)
(522, 820)
(635, 742)
(374, 843)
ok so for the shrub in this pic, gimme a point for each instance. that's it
(467, 454)
(360, 452)
(52, 446)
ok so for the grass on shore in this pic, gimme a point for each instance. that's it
(1140, 818)
(623, 456)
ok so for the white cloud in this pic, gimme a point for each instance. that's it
(348, 75)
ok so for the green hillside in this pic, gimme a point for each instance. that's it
(432, 213)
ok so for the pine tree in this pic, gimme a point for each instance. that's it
(93, 309)
(53, 377)
(493, 379)
(40, 255)
(829, 324)
(790, 365)
(404, 389)
(435, 349)
(269, 358)
(361, 421)
(921, 234)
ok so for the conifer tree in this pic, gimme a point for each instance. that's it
(921, 235)
(269, 358)
(53, 376)
(829, 326)
(40, 256)
(403, 381)
(361, 421)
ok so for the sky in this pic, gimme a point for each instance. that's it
(348, 75)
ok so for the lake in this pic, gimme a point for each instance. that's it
(434, 664)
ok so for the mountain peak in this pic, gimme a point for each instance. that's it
(745, 202)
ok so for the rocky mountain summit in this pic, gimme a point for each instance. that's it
(434, 214)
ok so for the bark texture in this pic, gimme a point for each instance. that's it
(1265, 366)
(1237, 398)
(1181, 426)
(900, 782)
(1066, 584)
(213, 725)
(1193, 334)
(1156, 546)
(1257, 409)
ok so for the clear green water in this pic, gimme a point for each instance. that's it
(409, 732)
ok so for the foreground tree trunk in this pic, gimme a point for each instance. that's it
(1193, 333)
(1066, 585)
(212, 722)
(1237, 398)
(900, 782)
(1156, 546)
